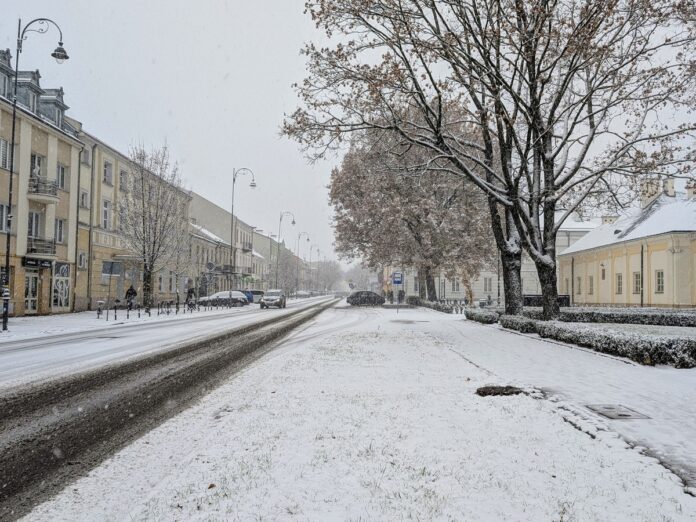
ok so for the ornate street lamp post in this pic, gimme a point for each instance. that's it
(280, 222)
(233, 249)
(38, 25)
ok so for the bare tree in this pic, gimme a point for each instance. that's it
(566, 98)
(154, 215)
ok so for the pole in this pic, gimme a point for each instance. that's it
(233, 253)
(8, 224)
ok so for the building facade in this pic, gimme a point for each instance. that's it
(646, 257)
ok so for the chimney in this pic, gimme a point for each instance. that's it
(668, 186)
(691, 189)
(649, 191)
(609, 219)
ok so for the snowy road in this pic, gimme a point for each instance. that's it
(369, 415)
(42, 347)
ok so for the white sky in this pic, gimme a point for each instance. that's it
(212, 78)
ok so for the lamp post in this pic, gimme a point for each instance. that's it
(297, 253)
(280, 222)
(233, 248)
(42, 25)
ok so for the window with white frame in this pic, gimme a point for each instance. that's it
(637, 282)
(106, 214)
(659, 281)
(108, 173)
(4, 154)
(619, 284)
(60, 230)
(590, 285)
(455, 285)
(4, 217)
(84, 199)
(34, 227)
(4, 85)
(62, 176)
(487, 284)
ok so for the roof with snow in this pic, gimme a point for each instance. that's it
(576, 222)
(256, 254)
(207, 234)
(664, 215)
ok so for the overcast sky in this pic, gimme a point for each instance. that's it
(211, 78)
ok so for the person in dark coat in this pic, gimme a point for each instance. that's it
(131, 294)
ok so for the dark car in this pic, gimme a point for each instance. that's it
(365, 298)
(273, 298)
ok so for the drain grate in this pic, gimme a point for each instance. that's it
(616, 411)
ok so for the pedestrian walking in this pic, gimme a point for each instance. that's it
(131, 294)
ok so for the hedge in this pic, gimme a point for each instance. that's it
(652, 316)
(481, 316)
(519, 323)
(646, 349)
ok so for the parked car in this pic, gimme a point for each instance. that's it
(248, 295)
(273, 298)
(301, 294)
(256, 295)
(365, 298)
(224, 298)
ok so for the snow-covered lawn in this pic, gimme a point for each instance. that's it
(370, 415)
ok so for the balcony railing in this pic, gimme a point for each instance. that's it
(43, 186)
(247, 246)
(41, 246)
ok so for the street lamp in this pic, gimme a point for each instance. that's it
(42, 25)
(280, 222)
(233, 249)
(297, 253)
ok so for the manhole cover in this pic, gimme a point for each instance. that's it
(616, 411)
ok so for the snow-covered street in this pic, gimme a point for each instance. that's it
(41, 347)
(367, 414)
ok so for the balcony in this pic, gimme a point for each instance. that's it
(38, 246)
(247, 246)
(43, 190)
(244, 270)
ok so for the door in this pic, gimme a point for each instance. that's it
(31, 292)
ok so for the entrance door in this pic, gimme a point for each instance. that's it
(31, 292)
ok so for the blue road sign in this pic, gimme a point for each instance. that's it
(397, 278)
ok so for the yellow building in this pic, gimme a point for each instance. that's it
(646, 257)
(44, 199)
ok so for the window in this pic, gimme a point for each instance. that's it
(578, 285)
(86, 156)
(604, 272)
(108, 173)
(61, 176)
(172, 282)
(60, 230)
(84, 199)
(4, 85)
(637, 282)
(415, 284)
(34, 224)
(82, 260)
(487, 284)
(4, 154)
(110, 269)
(659, 281)
(106, 214)
(619, 283)
(122, 180)
(32, 101)
(567, 286)
(159, 282)
(4, 218)
(590, 285)
(455, 285)
(37, 163)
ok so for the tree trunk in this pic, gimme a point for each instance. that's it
(430, 285)
(511, 265)
(549, 290)
(422, 288)
(147, 287)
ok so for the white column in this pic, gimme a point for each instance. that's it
(72, 211)
(22, 166)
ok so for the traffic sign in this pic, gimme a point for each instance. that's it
(397, 278)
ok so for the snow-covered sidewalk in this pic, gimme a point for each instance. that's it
(370, 415)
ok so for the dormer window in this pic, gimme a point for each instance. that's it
(59, 118)
(4, 85)
(33, 100)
